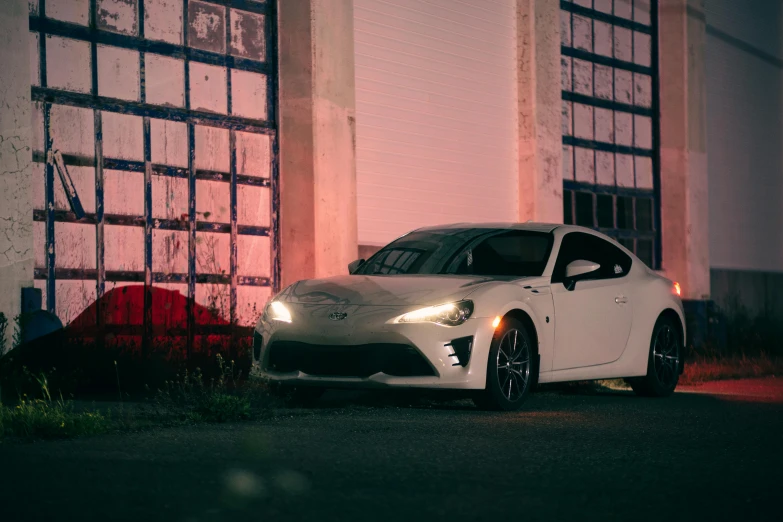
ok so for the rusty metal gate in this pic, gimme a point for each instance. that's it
(155, 163)
(609, 64)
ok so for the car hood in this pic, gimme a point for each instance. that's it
(382, 290)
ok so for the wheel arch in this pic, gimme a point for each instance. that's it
(670, 313)
(524, 318)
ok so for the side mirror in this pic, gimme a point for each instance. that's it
(578, 269)
(354, 266)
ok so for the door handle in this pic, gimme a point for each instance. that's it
(620, 299)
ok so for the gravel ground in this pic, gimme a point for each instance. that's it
(707, 453)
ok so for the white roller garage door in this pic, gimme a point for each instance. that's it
(436, 109)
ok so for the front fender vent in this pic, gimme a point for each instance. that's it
(462, 347)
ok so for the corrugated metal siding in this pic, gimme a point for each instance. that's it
(745, 134)
(436, 113)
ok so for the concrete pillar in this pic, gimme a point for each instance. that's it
(16, 200)
(683, 100)
(318, 227)
(540, 106)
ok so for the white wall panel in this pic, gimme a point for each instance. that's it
(436, 114)
(745, 134)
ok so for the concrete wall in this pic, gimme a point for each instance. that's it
(684, 194)
(744, 60)
(318, 225)
(539, 106)
(16, 216)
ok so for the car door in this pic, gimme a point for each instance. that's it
(593, 319)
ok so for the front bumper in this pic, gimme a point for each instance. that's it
(370, 347)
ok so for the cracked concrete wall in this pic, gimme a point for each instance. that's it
(540, 105)
(16, 209)
(683, 99)
(318, 226)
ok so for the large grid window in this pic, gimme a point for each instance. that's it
(155, 157)
(610, 122)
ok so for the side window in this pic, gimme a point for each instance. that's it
(573, 247)
(618, 263)
(578, 245)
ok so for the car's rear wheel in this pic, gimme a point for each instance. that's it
(510, 370)
(663, 364)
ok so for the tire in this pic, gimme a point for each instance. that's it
(296, 396)
(511, 369)
(663, 362)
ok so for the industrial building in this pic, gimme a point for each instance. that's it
(217, 150)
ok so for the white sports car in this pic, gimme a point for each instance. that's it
(491, 308)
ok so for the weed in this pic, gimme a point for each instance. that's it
(222, 407)
(219, 399)
(41, 419)
(49, 418)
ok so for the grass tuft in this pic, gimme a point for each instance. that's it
(226, 398)
(42, 419)
(48, 418)
(222, 407)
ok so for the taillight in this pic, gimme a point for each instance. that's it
(676, 289)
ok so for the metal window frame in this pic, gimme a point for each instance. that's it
(43, 26)
(653, 113)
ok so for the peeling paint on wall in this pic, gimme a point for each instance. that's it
(248, 38)
(118, 15)
(207, 26)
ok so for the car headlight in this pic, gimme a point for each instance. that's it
(277, 311)
(448, 314)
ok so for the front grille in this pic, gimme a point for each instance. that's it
(361, 360)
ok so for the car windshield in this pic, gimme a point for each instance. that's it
(485, 252)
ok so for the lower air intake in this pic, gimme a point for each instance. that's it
(362, 360)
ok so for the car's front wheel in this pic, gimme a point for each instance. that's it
(663, 365)
(510, 369)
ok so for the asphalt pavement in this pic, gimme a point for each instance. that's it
(711, 453)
